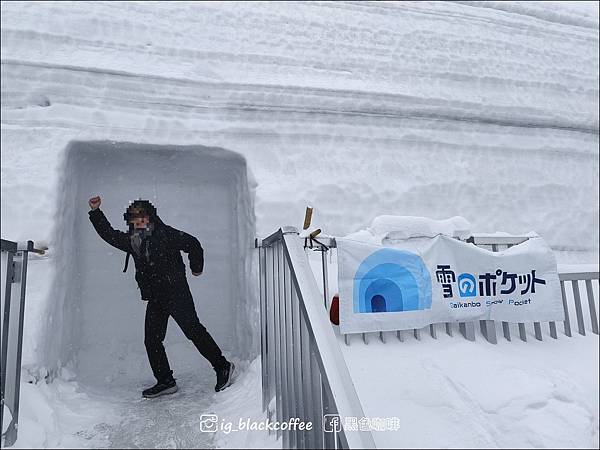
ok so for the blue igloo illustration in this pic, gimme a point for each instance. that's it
(391, 280)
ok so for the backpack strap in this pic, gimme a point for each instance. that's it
(126, 262)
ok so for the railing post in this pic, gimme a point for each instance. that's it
(433, 331)
(24, 256)
(449, 328)
(263, 329)
(488, 329)
(307, 397)
(537, 328)
(522, 332)
(272, 341)
(567, 322)
(278, 366)
(578, 309)
(467, 329)
(325, 277)
(592, 305)
(399, 335)
(553, 333)
(290, 349)
(317, 413)
(506, 330)
(270, 275)
(329, 437)
(283, 362)
(297, 364)
(417, 333)
(5, 327)
(11, 370)
(331, 367)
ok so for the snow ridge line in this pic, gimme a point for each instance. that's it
(546, 16)
(415, 113)
(526, 15)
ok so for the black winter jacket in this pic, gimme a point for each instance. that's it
(163, 275)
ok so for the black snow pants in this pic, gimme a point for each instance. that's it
(182, 309)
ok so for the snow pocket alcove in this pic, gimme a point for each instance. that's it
(97, 319)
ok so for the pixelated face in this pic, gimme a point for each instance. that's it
(139, 219)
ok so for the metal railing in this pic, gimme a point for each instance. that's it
(489, 327)
(304, 375)
(13, 313)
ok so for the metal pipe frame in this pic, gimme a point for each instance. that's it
(311, 376)
(16, 272)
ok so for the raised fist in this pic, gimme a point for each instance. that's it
(94, 202)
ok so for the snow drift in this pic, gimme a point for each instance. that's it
(96, 315)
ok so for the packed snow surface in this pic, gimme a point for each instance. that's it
(387, 228)
(454, 393)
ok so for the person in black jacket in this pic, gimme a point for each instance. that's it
(160, 275)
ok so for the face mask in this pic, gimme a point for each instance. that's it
(139, 241)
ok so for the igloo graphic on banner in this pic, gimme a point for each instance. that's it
(391, 280)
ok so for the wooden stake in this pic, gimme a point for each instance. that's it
(307, 217)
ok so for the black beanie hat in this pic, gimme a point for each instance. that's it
(140, 205)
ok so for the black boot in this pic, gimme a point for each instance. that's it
(224, 376)
(161, 388)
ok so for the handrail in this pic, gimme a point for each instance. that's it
(477, 239)
(329, 356)
(304, 373)
(571, 276)
(482, 239)
(11, 328)
(277, 235)
(9, 246)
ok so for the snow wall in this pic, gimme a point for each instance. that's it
(96, 315)
(487, 111)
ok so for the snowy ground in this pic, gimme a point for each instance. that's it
(70, 414)
(447, 392)
(456, 393)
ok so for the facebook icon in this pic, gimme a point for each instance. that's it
(332, 423)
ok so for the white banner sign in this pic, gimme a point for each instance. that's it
(445, 280)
